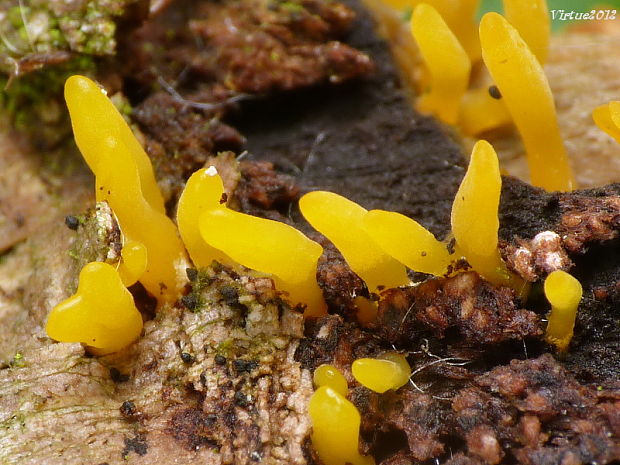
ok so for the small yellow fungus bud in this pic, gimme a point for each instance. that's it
(341, 221)
(526, 93)
(329, 375)
(391, 371)
(95, 118)
(448, 64)
(204, 191)
(335, 428)
(479, 112)
(531, 19)
(563, 293)
(101, 313)
(407, 241)
(268, 247)
(607, 117)
(121, 179)
(475, 222)
(134, 262)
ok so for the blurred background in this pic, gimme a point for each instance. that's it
(566, 5)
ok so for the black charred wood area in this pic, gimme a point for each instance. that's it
(313, 101)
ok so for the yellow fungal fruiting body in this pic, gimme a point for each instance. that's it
(564, 293)
(329, 375)
(335, 421)
(341, 221)
(448, 64)
(204, 191)
(460, 18)
(474, 219)
(269, 247)
(101, 314)
(526, 93)
(95, 118)
(407, 241)
(531, 19)
(390, 371)
(607, 117)
(124, 178)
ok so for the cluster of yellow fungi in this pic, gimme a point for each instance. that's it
(513, 49)
(335, 420)
(378, 245)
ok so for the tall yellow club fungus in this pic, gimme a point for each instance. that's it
(407, 241)
(101, 313)
(448, 64)
(204, 191)
(390, 371)
(268, 247)
(527, 95)
(459, 15)
(122, 179)
(564, 294)
(335, 425)
(95, 118)
(474, 220)
(607, 117)
(341, 221)
(531, 19)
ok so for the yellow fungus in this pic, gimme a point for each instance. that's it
(269, 247)
(335, 428)
(390, 371)
(134, 262)
(407, 241)
(525, 91)
(460, 18)
(204, 191)
(95, 118)
(563, 293)
(531, 19)
(448, 64)
(329, 375)
(101, 313)
(474, 220)
(341, 221)
(479, 112)
(607, 117)
(121, 179)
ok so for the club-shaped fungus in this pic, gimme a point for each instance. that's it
(269, 247)
(407, 241)
(531, 19)
(525, 90)
(204, 191)
(607, 118)
(564, 293)
(101, 314)
(341, 221)
(124, 178)
(390, 371)
(446, 61)
(460, 18)
(475, 221)
(329, 375)
(335, 424)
